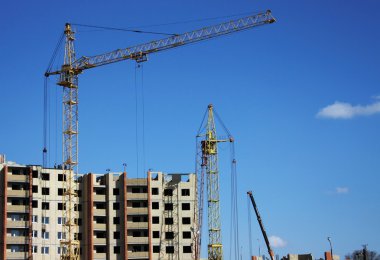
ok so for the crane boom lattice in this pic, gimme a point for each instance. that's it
(140, 52)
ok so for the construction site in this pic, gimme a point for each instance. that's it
(57, 211)
(89, 216)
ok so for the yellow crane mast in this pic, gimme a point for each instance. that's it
(209, 161)
(68, 79)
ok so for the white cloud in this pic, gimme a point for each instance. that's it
(276, 241)
(341, 190)
(341, 110)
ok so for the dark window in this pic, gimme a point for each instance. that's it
(168, 206)
(45, 205)
(135, 190)
(61, 177)
(168, 192)
(45, 191)
(116, 249)
(186, 221)
(115, 191)
(186, 234)
(100, 249)
(155, 205)
(61, 206)
(35, 174)
(185, 192)
(79, 222)
(155, 220)
(35, 204)
(154, 191)
(156, 249)
(169, 235)
(170, 249)
(156, 234)
(185, 206)
(60, 192)
(45, 176)
(116, 235)
(169, 221)
(78, 207)
(187, 249)
(101, 220)
(116, 220)
(99, 190)
(116, 205)
(35, 189)
(79, 193)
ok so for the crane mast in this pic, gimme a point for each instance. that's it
(270, 251)
(70, 246)
(68, 79)
(209, 167)
(210, 160)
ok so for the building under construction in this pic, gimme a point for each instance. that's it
(119, 217)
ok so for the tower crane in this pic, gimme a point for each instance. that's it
(68, 79)
(207, 164)
(270, 251)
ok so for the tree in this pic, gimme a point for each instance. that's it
(363, 254)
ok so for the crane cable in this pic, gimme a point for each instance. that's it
(123, 29)
(136, 123)
(139, 94)
(55, 52)
(46, 133)
(181, 22)
(249, 226)
(234, 226)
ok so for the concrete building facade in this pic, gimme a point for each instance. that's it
(119, 217)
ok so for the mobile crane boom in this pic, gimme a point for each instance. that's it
(270, 251)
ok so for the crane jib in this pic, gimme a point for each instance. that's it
(139, 52)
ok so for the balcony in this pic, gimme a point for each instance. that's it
(17, 240)
(99, 212)
(136, 182)
(101, 198)
(100, 241)
(138, 254)
(17, 255)
(18, 208)
(17, 178)
(18, 193)
(100, 255)
(17, 224)
(99, 226)
(137, 240)
(137, 211)
(137, 225)
(137, 196)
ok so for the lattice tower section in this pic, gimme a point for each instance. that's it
(210, 162)
(70, 246)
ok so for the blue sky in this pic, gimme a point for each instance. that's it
(300, 96)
